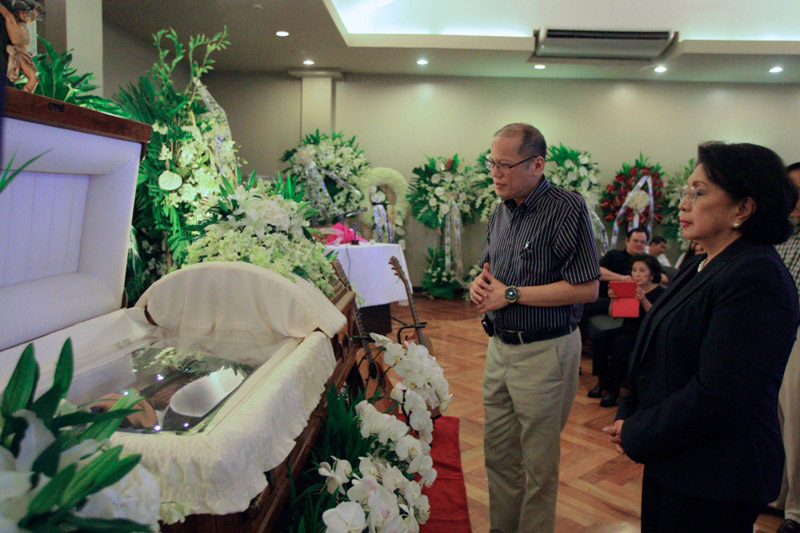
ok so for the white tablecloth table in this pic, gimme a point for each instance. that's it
(368, 269)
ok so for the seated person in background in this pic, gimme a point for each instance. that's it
(611, 348)
(658, 245)
(615, 265)
(695, 248)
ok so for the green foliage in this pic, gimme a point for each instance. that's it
(161, 231)
(8, 176)
(59, 80)
(53, 508)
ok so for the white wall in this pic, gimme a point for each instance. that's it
(400, 120)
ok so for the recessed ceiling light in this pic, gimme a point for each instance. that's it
(776, 69)
(660, 69)
(258, 6)
(282, 33)
(540, 66)
(308, 62)
(422, 62)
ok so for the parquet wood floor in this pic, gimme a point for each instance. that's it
(599, 490)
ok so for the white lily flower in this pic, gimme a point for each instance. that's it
(37, 438)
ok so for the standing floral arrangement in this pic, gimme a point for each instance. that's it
(328, 167)
(440, 189)
(574, 170)
(385, 215)
(185, 162)
(480, 179)
(442, 198)
(57, 470)
(439, 280)
(670, 212)
(635, 196)
(265, 225)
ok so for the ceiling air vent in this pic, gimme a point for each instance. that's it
(601, 44)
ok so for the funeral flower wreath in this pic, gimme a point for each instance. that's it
(441, 186)
(328, 168)
(616, 194)
(574, 170)
(372, 184)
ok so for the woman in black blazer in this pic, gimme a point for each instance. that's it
(701, 413)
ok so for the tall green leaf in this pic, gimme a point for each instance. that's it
(45, 407)
(22, 385)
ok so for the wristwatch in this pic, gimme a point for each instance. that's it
(512, 294)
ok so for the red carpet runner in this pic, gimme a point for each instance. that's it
(448, 495)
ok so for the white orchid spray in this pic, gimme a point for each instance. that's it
(377, 496)
(418, 369)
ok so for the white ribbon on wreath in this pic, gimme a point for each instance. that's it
(318, 189)
(225, 161)
(452, 225)
(380, 216)
(647, 179)
(597, 223)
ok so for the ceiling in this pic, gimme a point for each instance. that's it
(716, 40)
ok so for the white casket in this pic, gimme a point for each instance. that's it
(64, 227)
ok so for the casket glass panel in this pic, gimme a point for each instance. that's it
(184, 378)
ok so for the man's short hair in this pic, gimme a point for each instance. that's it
(793, 167)
(532, 141)
(640, 229)
(657, 240)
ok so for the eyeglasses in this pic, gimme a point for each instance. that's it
(690, 193)
(504, 167)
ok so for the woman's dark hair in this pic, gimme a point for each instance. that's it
(652, 263)
(749, 170)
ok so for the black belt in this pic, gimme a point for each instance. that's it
(524, 337)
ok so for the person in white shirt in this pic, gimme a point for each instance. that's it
(658, 245)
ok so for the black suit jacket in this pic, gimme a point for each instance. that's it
(701, 413)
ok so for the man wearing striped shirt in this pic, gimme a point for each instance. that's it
(539, 263)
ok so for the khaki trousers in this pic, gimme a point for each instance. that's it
(789, 416)
(528, 391)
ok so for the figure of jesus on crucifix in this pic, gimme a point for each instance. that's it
(20, 14)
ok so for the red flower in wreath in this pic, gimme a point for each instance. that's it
(626, 179)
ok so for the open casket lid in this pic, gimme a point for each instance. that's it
(64, 221)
